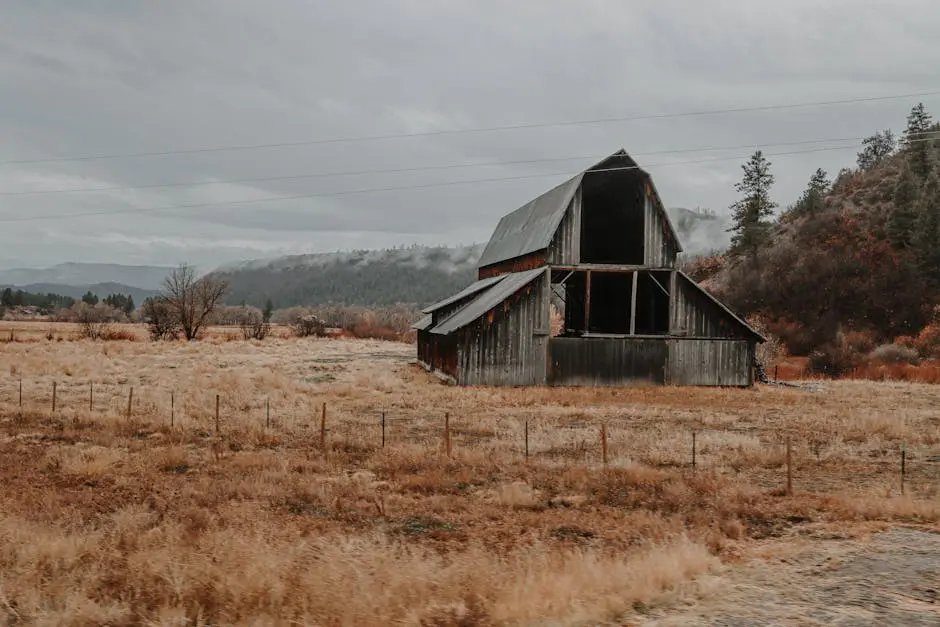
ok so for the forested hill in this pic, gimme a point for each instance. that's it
(416, 274)
(856, 258)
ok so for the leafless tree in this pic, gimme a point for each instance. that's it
(252, 323)
(94, 321)
(157, 314)
(186, 302)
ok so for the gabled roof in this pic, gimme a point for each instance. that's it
(470, 290)
(530, 228)
(757, 336)
(487, 300)
(424, 323)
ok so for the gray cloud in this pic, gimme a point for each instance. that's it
(112, 77)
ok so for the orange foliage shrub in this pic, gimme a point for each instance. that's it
(860, 341)
(927, 341)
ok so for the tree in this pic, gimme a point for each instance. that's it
(268, 311)
(917, 141)
(192, 300)
(252, 323)
(750, 224)
(129, 306)
(159, 316)
(93, 320)
(880, 145)
(6, 299)
(813, 197)
(927, 238)
(90, 299)
(903, 216)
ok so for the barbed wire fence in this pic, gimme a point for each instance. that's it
(313, 421)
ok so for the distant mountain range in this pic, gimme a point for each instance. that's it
(81, 274)
(415, 274)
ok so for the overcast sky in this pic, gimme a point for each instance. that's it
(116, 77)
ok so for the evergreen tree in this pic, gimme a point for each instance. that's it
(916, 141)
(6, 299)
(927, 238)
(750, 225)
(903, 217)
(876, 148)
(129, 305)
(268, 311)
(813, 198)
(89, 298)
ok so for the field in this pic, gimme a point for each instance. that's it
(204, 483)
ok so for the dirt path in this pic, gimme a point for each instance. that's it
(893, 579)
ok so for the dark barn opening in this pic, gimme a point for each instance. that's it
(612, 217)
(574, 302)
(610, 302)
(652, 303)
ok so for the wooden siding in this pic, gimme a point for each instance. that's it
(566, 243)
(607, 361)
(660, 248)
(695, 315)
(509, 345)
(710, 362)
(519, 264)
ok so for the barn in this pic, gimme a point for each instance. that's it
(602, 248)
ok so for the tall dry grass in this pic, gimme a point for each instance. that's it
(132, 521)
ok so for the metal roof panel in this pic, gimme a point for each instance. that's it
(471, 289)
(487, 300)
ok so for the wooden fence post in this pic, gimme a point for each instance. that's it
(21, 391)
(323, 428)
(130, 402)
(267, 413)
(218, 430)
(903, 465)
(53, 396)
(383, 429)
(172, 408)
(447, 433)
(693, 450)
(91, 396)
(789, 469)
(604, 444)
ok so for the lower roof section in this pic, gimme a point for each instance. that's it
(487, 299)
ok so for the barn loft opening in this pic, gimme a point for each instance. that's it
(610, 302)
(652, 303)
(613, 215)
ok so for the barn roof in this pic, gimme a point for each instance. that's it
(471, 289)
(424, 323)
(487, 299)
(748, 328)
(531, 227)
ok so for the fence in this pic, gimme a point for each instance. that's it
(528, 437)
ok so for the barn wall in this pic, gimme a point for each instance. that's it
(696, 315)
(424, 348)
(607, 361)
(509, 345)
(565, 248)
(518, 264)
(710, 362)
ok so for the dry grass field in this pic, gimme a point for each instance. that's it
(166, 516)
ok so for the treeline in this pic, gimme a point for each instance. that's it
(49, 303)
(859, 254)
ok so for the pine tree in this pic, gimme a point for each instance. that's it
(903, 217)
(813, 198)
(876, 148)
(6, 299)
(916, 141)
(89, 298)
(927, 238)
(268, 311)
(129, 305)
(750, 225)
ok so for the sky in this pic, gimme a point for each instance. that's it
(191, 80)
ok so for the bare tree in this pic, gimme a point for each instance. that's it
(157, 314)
(94, 321)
(304, 323)
(252, 323)
(186, 302)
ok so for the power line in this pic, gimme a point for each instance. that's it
(296, 177)
(488, 129)
(386, 189)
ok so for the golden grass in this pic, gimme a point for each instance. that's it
(134, 521)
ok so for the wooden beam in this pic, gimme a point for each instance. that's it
(633, 305)
(587, 302)
(673, 300)
(606, 267)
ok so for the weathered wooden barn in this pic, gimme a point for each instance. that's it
(603, 246)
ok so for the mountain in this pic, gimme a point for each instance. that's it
(102, 290)
(84, 274)
(701, 232)
(417, 275)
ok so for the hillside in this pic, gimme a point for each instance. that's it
(853, 263)
(84, 274)
(417, 274)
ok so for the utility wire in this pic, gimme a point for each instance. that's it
(391, 189)
(297, 177)
(488, 129)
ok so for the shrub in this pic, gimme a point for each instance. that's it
(252, 323)
(161, 319)
(304, 323)
(895, 354)
(833, 360)
(927, 341)
(94, 321)
(769, 351)
(862, 342)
